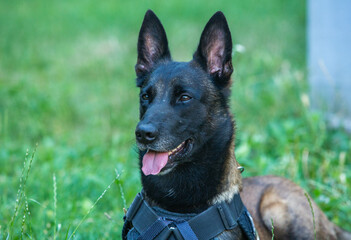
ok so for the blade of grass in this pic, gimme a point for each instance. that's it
(21, 192)
(118, 181)
(314, 222)
(91, 208)
(69, 226)
(272, 228)
(18, 197)
(55, 204)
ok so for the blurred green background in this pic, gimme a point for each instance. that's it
(67, 82)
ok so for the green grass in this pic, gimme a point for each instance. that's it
(67, 82)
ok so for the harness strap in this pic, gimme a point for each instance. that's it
(186, 231)
(217, 218)
(154, 229)
(204, 226)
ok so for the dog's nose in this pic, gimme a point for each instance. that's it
(146, 133)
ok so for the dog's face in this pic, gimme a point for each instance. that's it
(169, 99)
(182, 104)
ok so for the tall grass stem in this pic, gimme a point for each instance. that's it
(91, 208)
(314, 222)
(272, 228)
(21, 193)
(118, 181)
(55, 204)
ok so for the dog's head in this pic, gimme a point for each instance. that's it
(182, 104)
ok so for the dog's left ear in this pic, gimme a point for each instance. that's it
(214, 52)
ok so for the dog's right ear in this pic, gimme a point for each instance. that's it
(152, 44)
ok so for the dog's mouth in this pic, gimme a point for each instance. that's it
(162, 162)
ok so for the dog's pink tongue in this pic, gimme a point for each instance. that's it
(153, 162)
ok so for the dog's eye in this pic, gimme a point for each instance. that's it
(145, 97)
(184, 98)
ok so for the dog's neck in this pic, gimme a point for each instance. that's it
(231, 182)
(211, 177)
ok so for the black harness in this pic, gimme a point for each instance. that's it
(143, 222)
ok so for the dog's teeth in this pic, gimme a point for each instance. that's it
(176, 149)
(180, 145)
(171, 152)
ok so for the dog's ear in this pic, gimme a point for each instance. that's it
(214, 52)
(152, 44)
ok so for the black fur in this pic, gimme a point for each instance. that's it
(186, 104)
(204, 119)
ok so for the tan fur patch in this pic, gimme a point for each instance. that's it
(231, 181)
(272, 207)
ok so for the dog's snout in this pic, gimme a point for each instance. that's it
(146, 133)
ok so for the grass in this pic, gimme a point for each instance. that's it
(67, 82)
(272, 222)
(313, 218)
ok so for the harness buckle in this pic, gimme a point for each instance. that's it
(168, 231)
(176, 232)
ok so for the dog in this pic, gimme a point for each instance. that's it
(185, 138)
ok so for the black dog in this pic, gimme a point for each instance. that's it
(186, 141)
